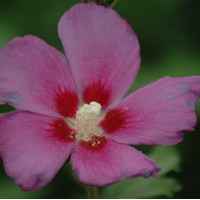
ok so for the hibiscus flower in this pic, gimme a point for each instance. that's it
(74, 106)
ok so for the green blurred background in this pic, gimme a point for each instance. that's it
(169, 35)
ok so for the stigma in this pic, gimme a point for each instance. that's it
(87, 120)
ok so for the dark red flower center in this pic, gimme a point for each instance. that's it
(66, 102)
(95, 143)
(86, 125)
(98, 93)
(114, 120)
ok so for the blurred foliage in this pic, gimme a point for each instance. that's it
(110, 3)
(64, 185)
(168, 31)
(140, 188)
(169, 160)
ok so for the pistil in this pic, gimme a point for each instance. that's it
(86, 122)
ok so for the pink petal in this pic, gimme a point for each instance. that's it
(110, 163)
(157, 114)
(102, 50)
(33, 150)
(35, 77)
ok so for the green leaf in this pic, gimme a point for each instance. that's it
(9, 190)
(141, 188)
(169, 160)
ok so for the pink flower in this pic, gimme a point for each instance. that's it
(75, 107)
